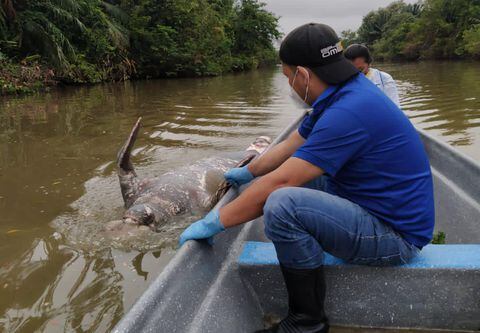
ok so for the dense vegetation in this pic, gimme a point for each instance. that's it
(88, 41)
(429, 29)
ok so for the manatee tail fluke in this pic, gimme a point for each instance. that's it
(126, 172)
(123, 158)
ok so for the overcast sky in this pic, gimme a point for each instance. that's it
(339, 14)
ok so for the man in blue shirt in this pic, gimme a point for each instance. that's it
(353, 181)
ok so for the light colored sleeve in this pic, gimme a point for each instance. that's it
(390, 88)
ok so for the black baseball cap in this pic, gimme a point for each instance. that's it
(317, 47)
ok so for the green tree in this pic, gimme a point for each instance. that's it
(385, 30)
(430, 29)
(38, 27)
(203, 37)
(439, 30)
(68, 34)
(178, 38)
(471, 38)
(349, 37)
(255, 28)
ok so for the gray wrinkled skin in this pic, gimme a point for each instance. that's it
(151, 202)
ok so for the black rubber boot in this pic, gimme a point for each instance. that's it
(306, 296)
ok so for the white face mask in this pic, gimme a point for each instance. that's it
(297, 100)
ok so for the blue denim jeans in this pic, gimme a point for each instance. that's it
(305, 222)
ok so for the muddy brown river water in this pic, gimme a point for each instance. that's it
(58, 182)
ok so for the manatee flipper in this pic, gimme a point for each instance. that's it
(224, 186)
(129, 182)
(255, 149)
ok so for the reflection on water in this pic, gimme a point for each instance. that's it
(55, 287)
(56, 163)
(443, 98)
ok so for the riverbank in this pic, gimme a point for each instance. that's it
(31, 77)
(24, 78)
(84, 42)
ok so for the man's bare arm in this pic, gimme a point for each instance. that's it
(249, 205)
(277, 155)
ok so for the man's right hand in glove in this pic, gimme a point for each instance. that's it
(239, 176)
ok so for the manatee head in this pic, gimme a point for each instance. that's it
(141, 214)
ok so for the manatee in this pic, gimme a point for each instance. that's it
(152, 201)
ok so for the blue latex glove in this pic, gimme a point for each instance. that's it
(238, 176)
(205, 228)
